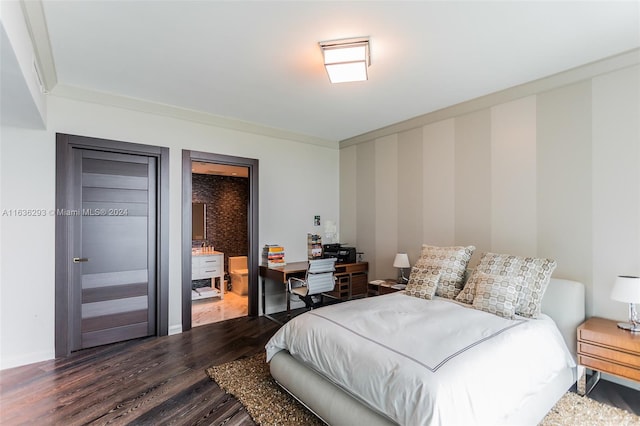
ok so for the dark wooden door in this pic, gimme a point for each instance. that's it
(113, 244)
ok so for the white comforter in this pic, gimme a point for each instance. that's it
(425, 362)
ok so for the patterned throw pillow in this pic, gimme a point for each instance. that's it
(496, 294)
(423, 282)
(451, 262)
(535, 273)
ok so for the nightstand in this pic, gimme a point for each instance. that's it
(379, 287)
(603, 347)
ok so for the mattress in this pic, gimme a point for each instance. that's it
(423, 362)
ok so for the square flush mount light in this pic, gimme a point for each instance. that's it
(346, 60)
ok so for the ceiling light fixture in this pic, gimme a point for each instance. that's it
(346, 60)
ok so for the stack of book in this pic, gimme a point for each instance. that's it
(273, 255)
(314, 246)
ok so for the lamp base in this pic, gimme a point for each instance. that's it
(629, 327)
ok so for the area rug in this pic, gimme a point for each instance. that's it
(249, 380)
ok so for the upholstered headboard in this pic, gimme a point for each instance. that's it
(564, 301)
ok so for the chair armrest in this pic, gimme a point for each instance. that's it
(301, 283)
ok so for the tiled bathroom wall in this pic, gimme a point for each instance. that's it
(227, 200)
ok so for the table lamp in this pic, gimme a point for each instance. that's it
(627, 289)
(402, 261)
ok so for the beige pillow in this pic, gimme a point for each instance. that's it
(535, 273)
(451, 262)
(496, 294)
(422, 282)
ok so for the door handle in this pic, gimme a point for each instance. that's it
(80, 259)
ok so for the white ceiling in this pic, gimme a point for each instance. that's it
(260, 62)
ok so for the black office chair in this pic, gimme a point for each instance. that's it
(318, 280)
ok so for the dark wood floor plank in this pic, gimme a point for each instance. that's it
(86, 382)
(203, 403)
(152, 381)
(133, 401)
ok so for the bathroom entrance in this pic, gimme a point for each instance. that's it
(221, 219)
(220, 198)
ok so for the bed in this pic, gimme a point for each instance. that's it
(484, 369)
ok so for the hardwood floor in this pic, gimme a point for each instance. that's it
(159, 381)
(146, 381)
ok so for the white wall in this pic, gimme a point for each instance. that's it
(297, 181)
(555, 173)
(27, 245)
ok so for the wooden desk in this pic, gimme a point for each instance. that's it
(351, 279)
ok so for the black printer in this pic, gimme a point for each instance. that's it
(342, 254)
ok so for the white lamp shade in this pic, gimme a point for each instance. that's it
(626, 289)
(401, 261)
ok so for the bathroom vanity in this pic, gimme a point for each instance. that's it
(205, 265)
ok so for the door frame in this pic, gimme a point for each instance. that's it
(252, 226)
(65, 143)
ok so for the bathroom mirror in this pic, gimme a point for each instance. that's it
(198, 221)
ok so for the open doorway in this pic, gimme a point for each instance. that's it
(219, 242)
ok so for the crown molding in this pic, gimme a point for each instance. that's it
(139, 105)
(37, 26)
(574, 75)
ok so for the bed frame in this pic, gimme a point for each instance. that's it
(564, 301)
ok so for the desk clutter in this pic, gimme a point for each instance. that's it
(317, 250)
(341, 253)
(314, 246)
(273, 255)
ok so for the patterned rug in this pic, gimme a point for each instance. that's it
(249, 380)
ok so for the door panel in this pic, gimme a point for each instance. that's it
(116, 320)
(114, 290)
(90, 295)
(114, 334)
(114, 195)
(114, 243)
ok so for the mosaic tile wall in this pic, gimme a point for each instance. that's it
(227, 200)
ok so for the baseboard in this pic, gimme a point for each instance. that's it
(175, 329)
(24, 359)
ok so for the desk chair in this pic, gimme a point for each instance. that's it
(318, 279)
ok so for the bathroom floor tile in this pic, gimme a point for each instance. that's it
(207, 311)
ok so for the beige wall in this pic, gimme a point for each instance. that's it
(554, 173)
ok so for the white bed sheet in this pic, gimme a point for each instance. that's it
(425, 362)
